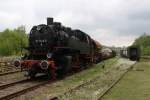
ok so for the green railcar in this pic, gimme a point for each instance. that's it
(134, 53)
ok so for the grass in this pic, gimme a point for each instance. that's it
(135, 85)
(90, 73)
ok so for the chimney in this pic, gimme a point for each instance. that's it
(49, 21)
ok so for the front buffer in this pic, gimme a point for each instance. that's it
(37, 66)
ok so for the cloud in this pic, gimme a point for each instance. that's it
(112, 22)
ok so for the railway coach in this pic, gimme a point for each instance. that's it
(132, 52)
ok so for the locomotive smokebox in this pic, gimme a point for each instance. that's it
(49, 21)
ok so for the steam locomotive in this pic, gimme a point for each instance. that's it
(56, 50)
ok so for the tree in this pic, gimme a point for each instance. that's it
(144, 43)
(12, 41)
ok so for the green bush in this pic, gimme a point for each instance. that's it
(12, 41)
(144, 43)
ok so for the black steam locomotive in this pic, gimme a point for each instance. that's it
(55, 50)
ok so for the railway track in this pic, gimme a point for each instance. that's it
(9, 77)
(8, 68)
(145, 57)
(81, 85)
(11, 90)
(27, 83)
(75, 88)
(35, 91)
(114, 83)
(89, 83)
(17, 90)
(13, 83)
(11, 72)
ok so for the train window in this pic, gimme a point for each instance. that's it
(83, 38)
(87, 39)
(74, 36)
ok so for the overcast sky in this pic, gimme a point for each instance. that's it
(111, 22)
